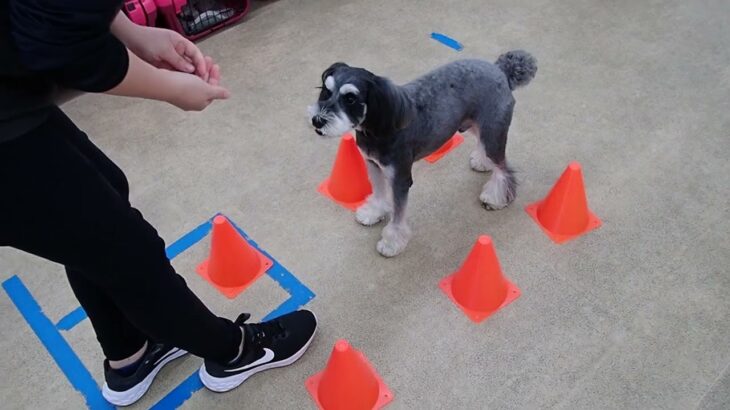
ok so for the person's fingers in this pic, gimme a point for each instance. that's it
(191, 53)
(179, 63)
(208, 66)
(219, 93)
(215, 75)
(196, 57)
(165, 65)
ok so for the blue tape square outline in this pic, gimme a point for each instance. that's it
(79, 376)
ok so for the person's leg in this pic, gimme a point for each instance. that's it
(64, 210)
(119, 339)
(122, 343)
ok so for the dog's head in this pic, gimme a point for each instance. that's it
(353, 97)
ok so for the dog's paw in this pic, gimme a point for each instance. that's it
(479, 162)
(388, 248)
(370, 214)
(492, 201)
(492, 207)
(394, 241)
(498, 192)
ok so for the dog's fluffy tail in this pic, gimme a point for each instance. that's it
(519, 66)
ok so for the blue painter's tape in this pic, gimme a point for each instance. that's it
(177, 396)
(72, 319)
(176, 248)
(447, 41)
(188, 240)
(300, 294)
(74, 369)
(56, 345)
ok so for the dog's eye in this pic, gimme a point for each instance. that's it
(349, 99)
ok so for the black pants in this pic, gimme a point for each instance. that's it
(62, 199)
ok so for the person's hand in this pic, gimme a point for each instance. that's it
(191, 93)
(163, 48)
(183, 77)
(168, 49)
(213, 75)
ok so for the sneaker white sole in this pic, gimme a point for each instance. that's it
(224, 384)
(125, 398)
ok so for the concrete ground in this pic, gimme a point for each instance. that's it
(633, 315)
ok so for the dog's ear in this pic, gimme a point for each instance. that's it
(388, 108)
(331, 69)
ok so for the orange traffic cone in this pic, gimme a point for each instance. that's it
(233, 264)
(449, 145)
(348, 184)
(349, 382)
(478, 288)
(564, 214)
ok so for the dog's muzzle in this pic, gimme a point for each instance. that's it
(318, 124)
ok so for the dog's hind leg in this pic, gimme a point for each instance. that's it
(396, 234)
(478, 160)
(501, 188)
(377, 206)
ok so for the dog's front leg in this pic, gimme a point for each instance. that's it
(396, 234)
(377, 206)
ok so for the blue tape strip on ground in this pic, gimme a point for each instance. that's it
(188, 240)
(447, 41)
(176, 248)
(179, 394)
(72, 319)
(59, 349)
(300, 295)
(72, 366)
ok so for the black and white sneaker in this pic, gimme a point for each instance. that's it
(123, 391)
(276, 343)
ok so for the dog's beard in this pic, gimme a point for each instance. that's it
(336, 123)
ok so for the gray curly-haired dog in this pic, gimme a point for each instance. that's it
(398, 125)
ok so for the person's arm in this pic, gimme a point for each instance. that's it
(186, 91)
(69, 41)
(160, 47)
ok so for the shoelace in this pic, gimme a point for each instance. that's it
(261, 333)
(264, 333)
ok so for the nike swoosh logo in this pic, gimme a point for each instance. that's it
(171, 352)
(267, 357)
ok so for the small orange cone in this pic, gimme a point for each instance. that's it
(478, 288)
(348, 184)
(564, 214)
(349, 382)
(449, 145)
(233, 264)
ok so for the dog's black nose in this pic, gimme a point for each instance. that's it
(318, 122)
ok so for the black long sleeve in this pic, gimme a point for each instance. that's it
(50, 43)
(70, 41)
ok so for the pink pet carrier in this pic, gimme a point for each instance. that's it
(142, 12)
(197, 18)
